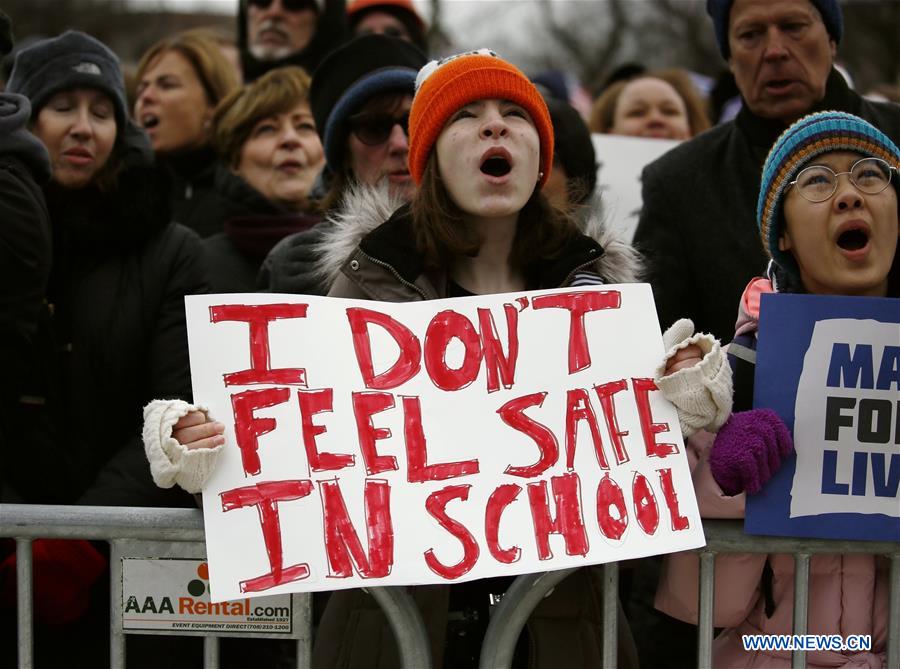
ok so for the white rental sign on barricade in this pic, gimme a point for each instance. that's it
(377, 444)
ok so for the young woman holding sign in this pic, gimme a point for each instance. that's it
(481, 149)
(828, 218)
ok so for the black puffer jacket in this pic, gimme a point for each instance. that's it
(192, 193)
(113, 339)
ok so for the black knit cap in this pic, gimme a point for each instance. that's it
(72, 60)
(573, 148)
(353, 74)
(6, 37)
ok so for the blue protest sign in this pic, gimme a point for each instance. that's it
(830, 367)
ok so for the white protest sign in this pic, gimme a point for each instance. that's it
(845, 462)
(620, 161)
(392, 444)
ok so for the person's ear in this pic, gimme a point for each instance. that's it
(832, 47)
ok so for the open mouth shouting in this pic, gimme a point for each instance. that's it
(496, 163)
(148, 121)
(853, 239)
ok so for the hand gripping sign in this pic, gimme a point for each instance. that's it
(392, 444)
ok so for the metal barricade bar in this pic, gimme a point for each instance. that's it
(801, 605)
(707, 601)
(25, 601)
(27, 522)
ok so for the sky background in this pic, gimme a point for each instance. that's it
(471, 23)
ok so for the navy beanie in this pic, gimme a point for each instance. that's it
(72, 60)
(351, 75)
(719, 10)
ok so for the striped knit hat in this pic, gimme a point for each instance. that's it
(809, 137)
(447, 85)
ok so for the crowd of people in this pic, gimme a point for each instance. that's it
(330, 155)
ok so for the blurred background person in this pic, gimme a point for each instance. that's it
(394, 18)
(574, 177)
(275, 33)
(664, 104)
(270, 157)
(180, 80)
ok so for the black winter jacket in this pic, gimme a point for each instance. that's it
(114, 337)
(698, 227)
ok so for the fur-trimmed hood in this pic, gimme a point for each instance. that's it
(364, 208)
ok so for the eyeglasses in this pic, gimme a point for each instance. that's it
(818, 183)
(289, 5)
(375, 129)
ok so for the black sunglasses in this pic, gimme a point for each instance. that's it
(289, 5)
(375, 129)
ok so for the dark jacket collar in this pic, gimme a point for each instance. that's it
(136, 209)
(762, 132)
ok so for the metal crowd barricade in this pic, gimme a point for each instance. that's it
(119, 525)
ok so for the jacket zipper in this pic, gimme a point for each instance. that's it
(575, 271)
(396, 274)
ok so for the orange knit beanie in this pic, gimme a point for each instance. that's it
(444, 86)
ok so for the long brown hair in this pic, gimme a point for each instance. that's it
(541, 232)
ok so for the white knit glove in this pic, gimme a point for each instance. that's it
(702, 394)
(170, 462)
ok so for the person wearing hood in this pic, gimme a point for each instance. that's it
(481, 151)
(275, 33)
(180, 80)
(394, 18)
(270, 156)
(360, 98)
(696, 226)
(573, 181)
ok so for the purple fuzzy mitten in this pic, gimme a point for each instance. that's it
(748, 450)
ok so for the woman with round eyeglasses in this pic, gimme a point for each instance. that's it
(829, 220)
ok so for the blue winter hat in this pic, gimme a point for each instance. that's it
(809, 137)
(72, 60)
(720, 10)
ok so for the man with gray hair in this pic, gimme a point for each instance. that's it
(275, 33)
(697, 227)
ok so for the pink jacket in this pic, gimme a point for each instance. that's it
(848, 594)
